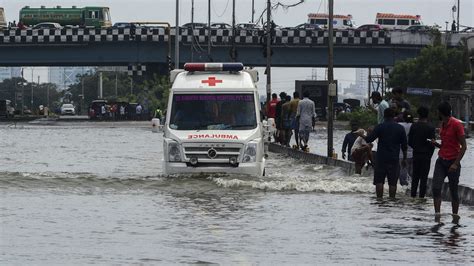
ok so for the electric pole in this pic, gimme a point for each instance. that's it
(459, 9)
(209, 30)
(232, 52)
(176, 37)
(192, 28)
(269, 52)
(253, 10)
(331, 86)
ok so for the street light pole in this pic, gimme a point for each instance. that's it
(331, 86)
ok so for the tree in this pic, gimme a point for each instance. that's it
(437, 67)
(152, 92)
(9, 87)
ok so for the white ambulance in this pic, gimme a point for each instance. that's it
(213, 122)
(397, 21)
(322, 20)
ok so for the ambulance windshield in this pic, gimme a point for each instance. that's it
(213, 112)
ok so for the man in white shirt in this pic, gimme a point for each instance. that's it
(361, 151)
(381, 105)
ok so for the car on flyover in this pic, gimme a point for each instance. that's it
(419, 28)
(248, 26)
(195, 25)
(369, 27)
(221, 26)
(68, 109)
(304, 26)
(47, 25)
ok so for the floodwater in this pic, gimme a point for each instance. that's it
(92, 193)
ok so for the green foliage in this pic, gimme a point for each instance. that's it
(152, 93)
(8, 87)
(436, 68)
(365, 118)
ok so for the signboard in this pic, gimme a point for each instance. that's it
(318, 93)
(420, 91)
(112, 69)
(19, 96)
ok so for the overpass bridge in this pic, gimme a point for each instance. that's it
(150, 46)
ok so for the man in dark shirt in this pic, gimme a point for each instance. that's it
(419, 139)
(278, 117)
(399, 103)
(391, 138)
(349, 140)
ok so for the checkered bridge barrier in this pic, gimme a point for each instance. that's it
(284, 37)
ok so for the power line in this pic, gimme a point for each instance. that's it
(223, 12)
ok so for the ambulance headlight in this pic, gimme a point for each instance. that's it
(250, 154)
(174, 154)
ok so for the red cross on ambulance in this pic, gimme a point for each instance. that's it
(211, 81)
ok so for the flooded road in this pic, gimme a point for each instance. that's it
(93, 193)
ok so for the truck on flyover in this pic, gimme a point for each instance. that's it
(89, 16)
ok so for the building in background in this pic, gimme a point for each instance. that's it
(63, 77)
(362, 79)
(9, 72)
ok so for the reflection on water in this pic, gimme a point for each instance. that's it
(95, 195)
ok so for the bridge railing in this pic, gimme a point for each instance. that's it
(282, 37)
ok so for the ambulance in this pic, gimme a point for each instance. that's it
(213, 122)
(397, 21)
(322, 20)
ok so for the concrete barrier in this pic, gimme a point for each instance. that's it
(466, 194)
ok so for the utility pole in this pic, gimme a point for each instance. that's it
(176, 38)
(100, 85)
(82, 90)
(116, 85)
(331, 86)
(269, 52)
(209, 30)
(232, 51)
(459, 9)
(192, 23)
(253, 10)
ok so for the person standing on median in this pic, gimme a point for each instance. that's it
(294, 122)
(419, 138)
(451, 151)
(391, 138)
(306, 115)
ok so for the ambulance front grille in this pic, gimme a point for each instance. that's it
(224, 152)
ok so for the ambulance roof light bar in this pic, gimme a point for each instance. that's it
(191, 67)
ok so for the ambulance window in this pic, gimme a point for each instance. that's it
(403, 22)
(213, 112)
(380, 21)
(415, 22)
(388, 22)
(321, 21)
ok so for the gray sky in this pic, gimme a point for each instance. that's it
(363, 11)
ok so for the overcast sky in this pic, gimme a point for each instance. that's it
(362, 11)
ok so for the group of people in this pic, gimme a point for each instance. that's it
(405, 148)
(117, 111)
(18, 25)
(292, 117)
